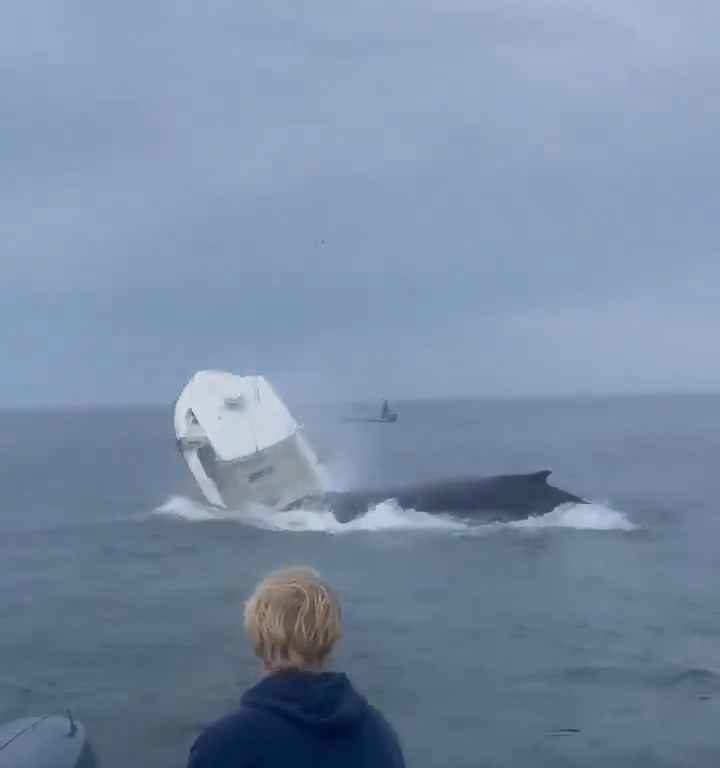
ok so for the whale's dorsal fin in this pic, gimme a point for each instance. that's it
(541, 477)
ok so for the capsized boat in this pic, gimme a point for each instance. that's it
(241, 443)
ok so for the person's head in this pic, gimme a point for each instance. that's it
(293, 620)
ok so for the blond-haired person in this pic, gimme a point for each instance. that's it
(300, 715)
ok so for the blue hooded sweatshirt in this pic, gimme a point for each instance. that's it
(294, 719)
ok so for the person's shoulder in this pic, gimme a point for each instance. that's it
(379, 721)
(386, 734)
(230, 740)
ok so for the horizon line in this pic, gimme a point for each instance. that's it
(611, 394)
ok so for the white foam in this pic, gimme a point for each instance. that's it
(185, 509)
(389, 516)
(386, 516)
(583, 517)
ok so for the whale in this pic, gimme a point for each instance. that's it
(498, 498)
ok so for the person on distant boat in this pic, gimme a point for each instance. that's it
(385, 413)
(300, 714)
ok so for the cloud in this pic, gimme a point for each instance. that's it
(356, 190)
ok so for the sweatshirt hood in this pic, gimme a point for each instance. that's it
(323, 701)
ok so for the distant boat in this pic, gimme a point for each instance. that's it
(387, 416)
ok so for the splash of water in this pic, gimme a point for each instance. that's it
(390, 516)
(583, 517)
(386, 516)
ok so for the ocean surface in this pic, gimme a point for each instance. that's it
(588, 637)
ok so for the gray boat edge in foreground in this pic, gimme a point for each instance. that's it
(45, 741)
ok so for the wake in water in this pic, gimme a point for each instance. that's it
(389, 516)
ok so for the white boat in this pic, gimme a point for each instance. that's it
(241, 443)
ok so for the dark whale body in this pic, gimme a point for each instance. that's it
(497, 498)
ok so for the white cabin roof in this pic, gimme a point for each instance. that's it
(239, 414)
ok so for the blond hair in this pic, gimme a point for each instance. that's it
(293, 619)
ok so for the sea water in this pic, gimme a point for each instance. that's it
(589, 636)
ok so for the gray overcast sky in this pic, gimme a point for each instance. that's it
(421, 197)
